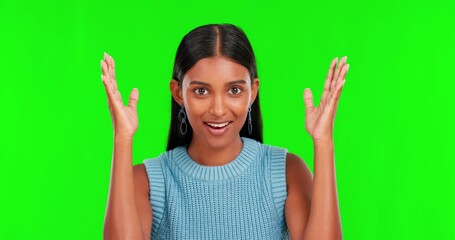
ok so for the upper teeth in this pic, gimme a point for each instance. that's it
(218, 124)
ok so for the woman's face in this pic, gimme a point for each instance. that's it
(216, 93)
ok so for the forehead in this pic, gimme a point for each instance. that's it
(217, 69)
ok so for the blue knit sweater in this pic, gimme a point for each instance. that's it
(243, 199)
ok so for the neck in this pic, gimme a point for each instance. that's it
(206, 154)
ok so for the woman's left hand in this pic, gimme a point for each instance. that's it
(319, 121)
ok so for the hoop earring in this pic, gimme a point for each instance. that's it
(250, 125)
(182, 118)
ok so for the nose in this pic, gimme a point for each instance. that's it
(217, 107)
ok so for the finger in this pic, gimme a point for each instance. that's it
(106, 56)
(328, 79)
(110, 60)
(105, 59)
(113, 64)
(333, 89)
(340, 88)
(341, 77)
(338, 71)
(104, 67)
(134, 97)
(112, 93)
(108, 87)
(338, 96)
(333, 102)
(109, 70)
(308, 99)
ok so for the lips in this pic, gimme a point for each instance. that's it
(218, 128)
(218, 125)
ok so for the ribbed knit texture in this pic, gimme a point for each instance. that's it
(243, 199)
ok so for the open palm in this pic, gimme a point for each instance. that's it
(124, 118)
(319, 121)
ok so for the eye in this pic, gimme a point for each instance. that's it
(200, 91)
(235, 90)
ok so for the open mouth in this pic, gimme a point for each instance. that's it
(218, 128)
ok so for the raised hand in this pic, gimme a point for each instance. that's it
(319, 121)
(124, 118)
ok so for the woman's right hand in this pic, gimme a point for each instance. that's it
(124, 118)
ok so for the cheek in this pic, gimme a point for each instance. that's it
(239, 108)
(195, 109)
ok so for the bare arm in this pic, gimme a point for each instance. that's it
(323, 216)
(312, 203)
(122, 219)
(142, 197)
(298, 202)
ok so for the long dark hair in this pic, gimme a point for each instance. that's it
(207, 41)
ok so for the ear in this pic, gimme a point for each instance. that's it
(254, 90)
(176, 91)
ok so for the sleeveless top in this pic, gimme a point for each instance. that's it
(243, 199)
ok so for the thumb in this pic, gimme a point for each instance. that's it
(308, 99)
(134, 96)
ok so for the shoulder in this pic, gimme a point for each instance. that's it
(297, 172)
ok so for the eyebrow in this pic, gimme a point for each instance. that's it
(240, 81)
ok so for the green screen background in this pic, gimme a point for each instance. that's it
(394, 165)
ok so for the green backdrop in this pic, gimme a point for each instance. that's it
(393, 137)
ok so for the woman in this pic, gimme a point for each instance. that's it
(217, 180)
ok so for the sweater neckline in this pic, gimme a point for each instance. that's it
(215, 173)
